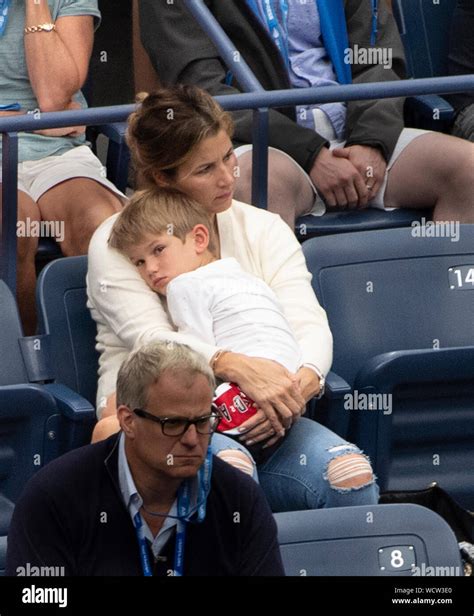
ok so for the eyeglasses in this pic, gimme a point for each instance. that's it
(176, 426)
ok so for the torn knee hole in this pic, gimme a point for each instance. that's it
(238, 459)
(350, 471)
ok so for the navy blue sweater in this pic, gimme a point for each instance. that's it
(71, 514)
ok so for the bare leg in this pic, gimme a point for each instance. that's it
(435, 171)
(26, 274)
(81, 205)
(289, 192)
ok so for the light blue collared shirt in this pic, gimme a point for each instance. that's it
(134, 502)
(309, 62)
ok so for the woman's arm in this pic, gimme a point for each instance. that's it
(57, 61)
(284, 269)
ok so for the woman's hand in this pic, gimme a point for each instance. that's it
(257, 429)
(274, 389)
(308, 382)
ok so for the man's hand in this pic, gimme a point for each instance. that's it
(369, 162)
(338, 181)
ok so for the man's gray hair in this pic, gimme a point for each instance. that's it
(144, 367)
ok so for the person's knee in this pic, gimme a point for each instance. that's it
(243, 184)
(84, 221)
(238, 459)
(454, 171)
(105, 428)
(284, 177)
(351, 470)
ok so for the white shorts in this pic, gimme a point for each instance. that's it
(319, 207)
(35, 177)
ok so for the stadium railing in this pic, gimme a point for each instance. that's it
(258, 101)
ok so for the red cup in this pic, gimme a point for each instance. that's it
(234, 406)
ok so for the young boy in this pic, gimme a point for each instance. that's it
(171, 241)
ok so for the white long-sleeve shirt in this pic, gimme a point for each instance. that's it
(129, 314)
(223, 305)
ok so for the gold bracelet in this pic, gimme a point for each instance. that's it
(39, 28)
(216, 357)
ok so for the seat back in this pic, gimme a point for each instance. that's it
(6, 512)
(11, 371)
(378, 540)
(63, 313)
(424, 27)
(401, 310)
(391, 290)
(29, 418)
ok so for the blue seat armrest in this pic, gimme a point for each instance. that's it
(384, 372)
(17, 401)
(336, 387)
(115, 131)
(70, 404)
(426, 104)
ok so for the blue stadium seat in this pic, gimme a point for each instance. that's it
(401, 309)
(63, 316)
(351, 221)
(424, 28)
(39, 419)
(379, 540)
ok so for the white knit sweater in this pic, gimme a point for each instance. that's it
(129, 314)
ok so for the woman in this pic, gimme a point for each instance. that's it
(181, 138)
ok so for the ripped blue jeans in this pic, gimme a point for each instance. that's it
(296, 475)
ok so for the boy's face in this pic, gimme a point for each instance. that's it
(160, 258)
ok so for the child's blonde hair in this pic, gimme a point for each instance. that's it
(156, 212)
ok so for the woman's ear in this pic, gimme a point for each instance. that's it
(161, 179)
(201, 238)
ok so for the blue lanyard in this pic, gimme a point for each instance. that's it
(137, 520)
(184, 515)
(4, 6)
(375, 17)
(278, 28)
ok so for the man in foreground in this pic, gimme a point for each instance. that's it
(150, 500)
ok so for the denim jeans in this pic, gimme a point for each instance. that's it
(295, 477)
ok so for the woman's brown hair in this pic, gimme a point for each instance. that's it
(168, 125)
